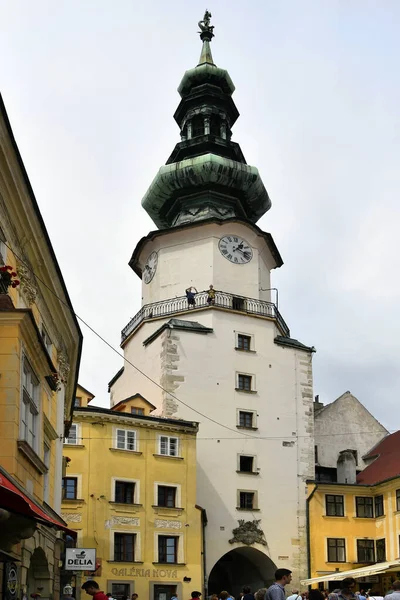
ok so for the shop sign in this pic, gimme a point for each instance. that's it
(11, 581)
(154, 573)
(80, 559)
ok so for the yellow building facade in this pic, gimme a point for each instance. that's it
(40, 346)
(353, 526)
(130, 493)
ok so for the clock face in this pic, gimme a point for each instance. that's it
(150, 267)
(235, 249)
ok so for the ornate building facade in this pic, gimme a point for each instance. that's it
(40, 346)
(130, 492)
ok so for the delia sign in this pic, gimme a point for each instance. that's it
(80, 559)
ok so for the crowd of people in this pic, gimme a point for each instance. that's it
(276, 591)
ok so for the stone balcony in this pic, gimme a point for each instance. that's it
(223, 301)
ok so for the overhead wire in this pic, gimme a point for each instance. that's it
(117, 351)
(98, 335)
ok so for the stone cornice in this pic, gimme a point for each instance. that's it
(137, 422)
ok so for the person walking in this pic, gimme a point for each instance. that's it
(276, 591)
(395, 594)
(91, 587)
(246, 593)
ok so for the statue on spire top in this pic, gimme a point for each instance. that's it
(206, 29)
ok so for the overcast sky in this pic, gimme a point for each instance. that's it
(90, 89)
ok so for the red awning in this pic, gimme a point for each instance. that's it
(14, 500)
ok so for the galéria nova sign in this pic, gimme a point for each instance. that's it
(80, 559)
(154, 573)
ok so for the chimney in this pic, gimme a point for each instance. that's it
(317, 404)
(346, 467)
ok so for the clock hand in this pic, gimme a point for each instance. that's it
(245, 254)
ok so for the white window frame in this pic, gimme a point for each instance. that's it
(254, 457)
(252, 344)
(78, 437)
(137, 555)
(30, 418)
(253, 387)
(178, 494)
(78, 477)
(168, 439)
(247, 410)
(138, 414)
(136, 492)
(126, 432)
(181, 549)
(255, 504)
(46, 339)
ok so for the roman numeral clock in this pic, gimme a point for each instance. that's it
(235, 249)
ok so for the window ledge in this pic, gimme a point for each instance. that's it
(364, 519)
(335, 517)
(243, 350)
(243, 427)
(128, 504)
(170, 563)
(135, 562)
(339, 562)
(72, 501)
(66, 445)
(167, 507)
(31, 455)
(245, 391)
(380, 517)
(168, 456)
(248, 472)
(247, 509)
(126, 451)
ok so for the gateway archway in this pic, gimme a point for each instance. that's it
(38, 579)
(239, 567)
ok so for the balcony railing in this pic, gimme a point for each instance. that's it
(172, 306)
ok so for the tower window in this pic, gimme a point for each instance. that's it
(247, 500)
(197, 126)
(244, 382)
(246, 464)
(243, 342)
(215, 128)
(246, 419)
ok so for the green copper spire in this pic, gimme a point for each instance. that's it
(206, 176)
(206, 35)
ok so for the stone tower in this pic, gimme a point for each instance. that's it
(227, 361)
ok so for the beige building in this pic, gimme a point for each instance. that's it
(40, 346)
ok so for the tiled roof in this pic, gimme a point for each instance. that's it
(387, 463)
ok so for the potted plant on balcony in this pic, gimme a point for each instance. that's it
(54, 380)
(8, 277)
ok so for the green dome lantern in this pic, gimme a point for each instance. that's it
(206, 175)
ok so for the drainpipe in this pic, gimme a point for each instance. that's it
(308, 530)
(204, 522)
